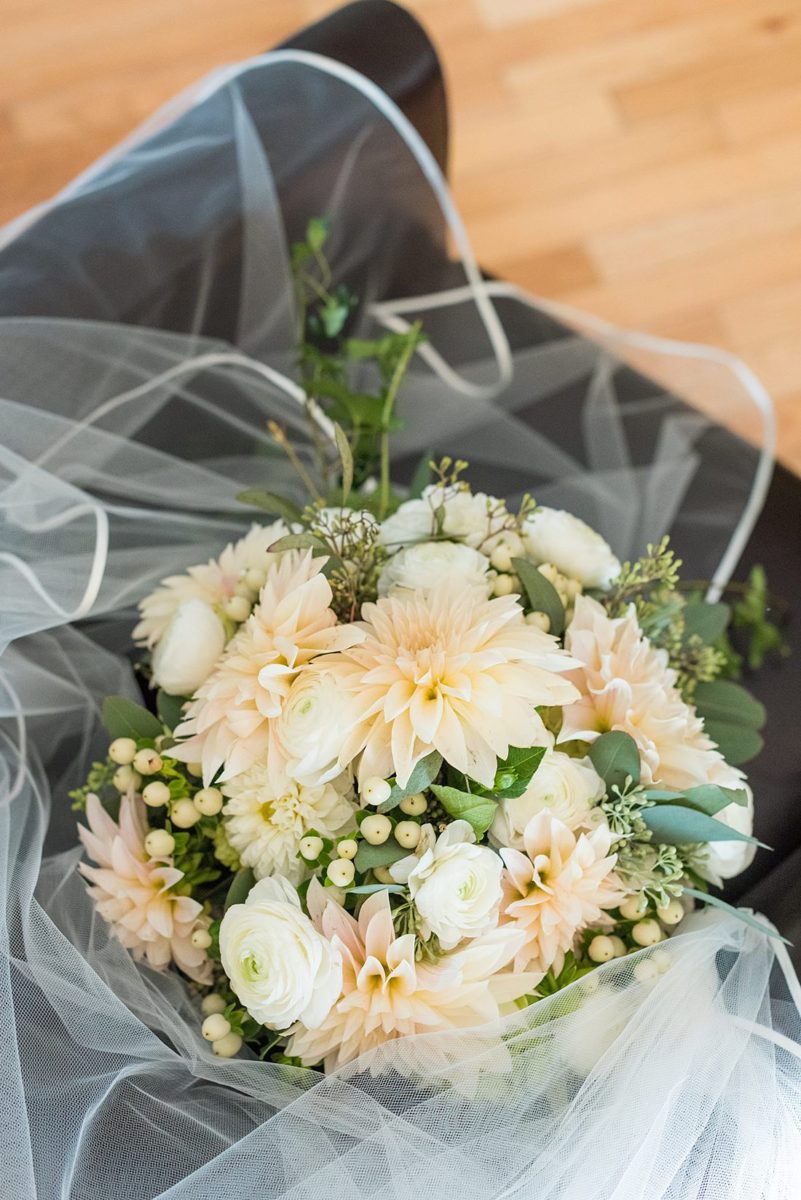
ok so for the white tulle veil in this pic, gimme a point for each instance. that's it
(124, 445)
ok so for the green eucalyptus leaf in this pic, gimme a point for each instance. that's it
(740, 913)
(724, 701)
(711, 799)
(542, 595)
(616, 757)
(478, 811)
(368, 889)
(240, 888)
(707, 621)
(424, 773)
(170, 708)
(369, 857)
(677, 825)
(737, 743)
(272, 503)
(124, 718)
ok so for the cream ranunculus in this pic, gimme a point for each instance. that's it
(567, 787)
(313, 725)
(470, 517)
(456, 886)
(189, 649)
(429, 564)
(278, 965)
(554, 536)
(724, 860)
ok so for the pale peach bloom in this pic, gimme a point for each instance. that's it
(134, 892)
(387, 994)
(559, 886)
(213, 582)
(231, 721)
(627, 684)
(448, 671)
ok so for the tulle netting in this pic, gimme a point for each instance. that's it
(125, 440)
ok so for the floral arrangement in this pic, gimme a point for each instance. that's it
(411, 758)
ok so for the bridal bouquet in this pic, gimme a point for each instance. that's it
(411, 758)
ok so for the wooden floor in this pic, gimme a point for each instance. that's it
(638, 158)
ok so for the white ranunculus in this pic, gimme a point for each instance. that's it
(456, 886)
(189, 649)
(568, 787)
(280, 968)
(315, 720)
(469, 517)
(724, 860)
(552, 535)
(412, 522)
(429, 564)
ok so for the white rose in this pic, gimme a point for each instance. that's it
(314, 723)
(724, 860)
(456, 886)
(280, 968)
(554, 536)
(189, 649)
(568, 787)
(429, 564)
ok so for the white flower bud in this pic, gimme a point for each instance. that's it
(214, 1027)
(311, 847)
(183, 813)
(348, 848)
(407, 834)
(376, 829)
(156, 794)
(414, 806)
(189, 648)
(159, 843)
(122, 751)
(213, 1003)
(375, 790)
(228, 1046)
(208, 801)
(126, 779)
(147, 762)
(341, 872)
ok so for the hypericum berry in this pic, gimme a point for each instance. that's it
(147, 762)
(414, 806)
(183, 813)
(122, 751)
(208, 801)
(237, 608)
(601, 949)
(672, 913)
(215, 1027)
(348, 848)
(195, 769)
(504, 585)
(407, 834)
(228, 1046)
(501, 557)
(383, 874)
(645, 971)
(634, 907)
(213, 1003)
(201, 939)
(620, 946)
(126, 779)
(375, 790)
(159, 843)
(156, 793)
(376, 829)
(255, 579)
(647, 932)
(341, 872)
(311, 847)
(540, 619)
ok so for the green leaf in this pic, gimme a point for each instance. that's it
(346, 456)
(421, 478)
(737, 743)
(424, 773)
(316, 233)
(677, 825)
(170, 708)
(367, 889)
(240, 887)
(707, 621)
(123, 718)
(478, 811)
(725, 702)
(522, 765)
(711, 799)
(272, 503)
(616, 757)
(541, 593)
(740, 913)
(369, 857)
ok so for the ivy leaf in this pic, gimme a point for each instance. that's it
(478, 811)
(346, 456)
(424, 774)
(706, 621)
(616, 757)
(240, 887)
(170, 708)
(740, 913)
(124, 718)
(541, 593)
(677, 825)
(369, 857)
(272, 503)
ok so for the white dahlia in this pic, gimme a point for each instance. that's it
(449, 672)
(387, 994)
(561, 884)
(266, 817)
(134, 892)
(213, 582)
(230, 723)
(627, 684)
